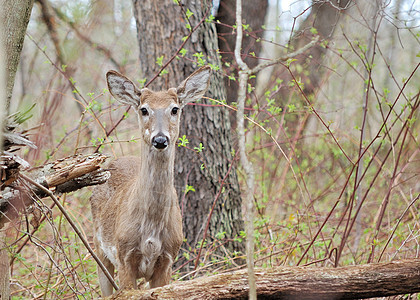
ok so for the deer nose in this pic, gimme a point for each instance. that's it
(160, 141)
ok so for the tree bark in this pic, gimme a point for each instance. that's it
(14, 18)
(324, 16)
(351, 282)
(4, 268)
(253, 14)
(161, 27)
(4, 257)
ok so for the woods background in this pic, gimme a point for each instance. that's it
(332, 133)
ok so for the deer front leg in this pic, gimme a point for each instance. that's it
(127, 277)
(104, 283)
(162, 271)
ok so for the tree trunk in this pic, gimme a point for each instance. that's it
(253, 14)
(351, 282)
(4, 257)
(4, 268)
(14, 19)
(161, 26)
(323, 17)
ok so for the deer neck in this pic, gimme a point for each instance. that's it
(154, 188)
(158, 168)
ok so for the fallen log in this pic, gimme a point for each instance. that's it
(350, 282)
(62, 176)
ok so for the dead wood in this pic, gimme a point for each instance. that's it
(62, 176)
(350, 282)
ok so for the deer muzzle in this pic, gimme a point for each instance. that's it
(160, 141)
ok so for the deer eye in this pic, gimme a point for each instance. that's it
(174, 110)
(144, 111)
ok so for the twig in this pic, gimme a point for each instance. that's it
(28, 236)
(396, 226)
(179, 48)
(76, 230)
(211, 212)
(371, 52)
(93, 44)
(285, 57)
(244, 74)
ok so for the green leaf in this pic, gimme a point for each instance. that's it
(183, 51)
(159, 61)
(23, 116)
(198, 54)
(164, 71)
(183, 141)
(200, 148)
(210, 19)
(141, 82)
(313, 30)
(291, 107)
(289, 61)
(188, 13)
(220, 235)
(189, 188)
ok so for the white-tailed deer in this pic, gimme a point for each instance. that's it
(136, 215)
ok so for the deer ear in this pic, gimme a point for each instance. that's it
(194, 87)
(123, 89)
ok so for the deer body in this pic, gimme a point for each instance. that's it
(136, 215)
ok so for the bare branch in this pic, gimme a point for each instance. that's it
(73, 225)
(285, 57)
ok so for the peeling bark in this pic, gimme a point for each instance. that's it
(63, 176)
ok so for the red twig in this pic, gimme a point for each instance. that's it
(211, 211)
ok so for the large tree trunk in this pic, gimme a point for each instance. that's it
(14, 18)
(4, 269)
(4, 257)
(351, 282)
(161, 26)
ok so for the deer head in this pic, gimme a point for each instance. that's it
(159, 112)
